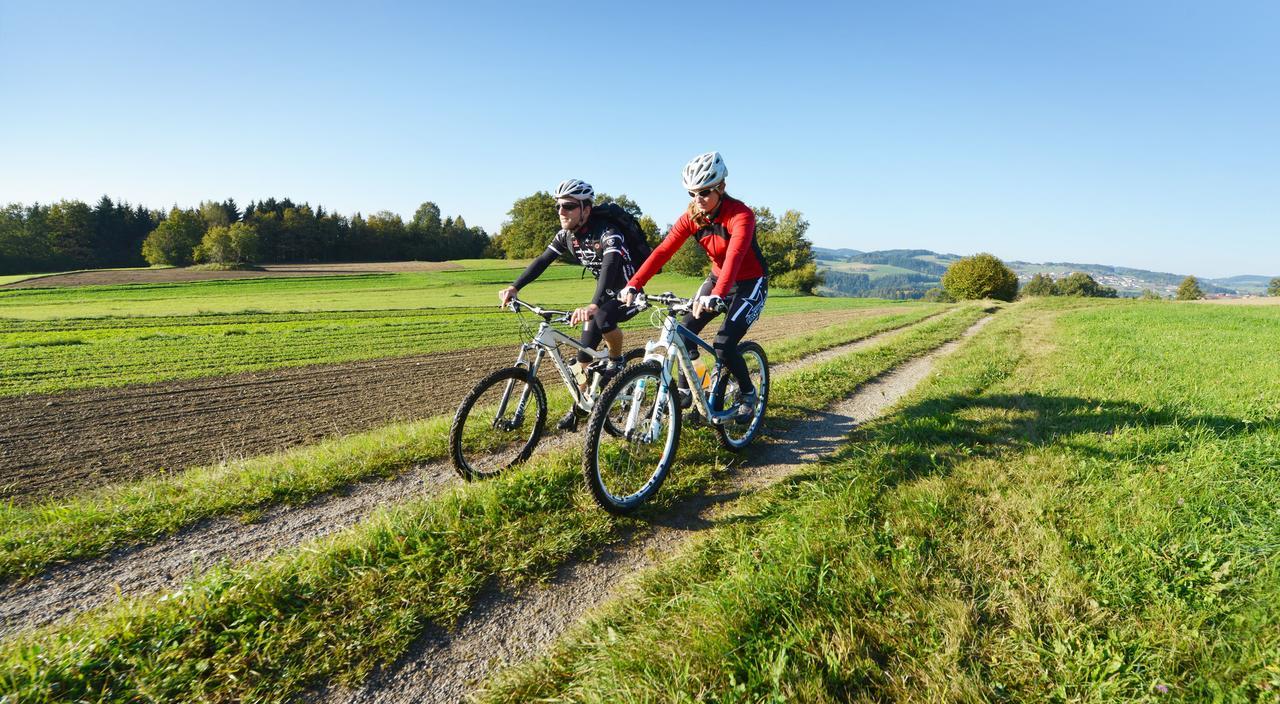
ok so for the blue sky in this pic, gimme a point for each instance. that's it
(1143, 134)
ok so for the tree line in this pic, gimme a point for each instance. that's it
(72, 235)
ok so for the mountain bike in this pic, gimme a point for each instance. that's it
(501, 420)
(634, 429)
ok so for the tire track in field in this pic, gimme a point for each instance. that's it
(506, 628)
(82, 585)
(56, 445)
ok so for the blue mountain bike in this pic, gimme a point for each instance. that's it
(634, 429)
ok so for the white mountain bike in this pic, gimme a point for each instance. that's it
(501, 420)
(634, 429)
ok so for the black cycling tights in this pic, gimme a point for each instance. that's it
(742, 306)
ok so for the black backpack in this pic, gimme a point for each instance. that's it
(626, 223)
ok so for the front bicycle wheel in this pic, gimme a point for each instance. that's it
(736, 434)
(624, 471)
(498, 424)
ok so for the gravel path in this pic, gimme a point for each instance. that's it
(82, 585)
(507, 628)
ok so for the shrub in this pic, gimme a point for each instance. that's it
(1039, 285)
(804, 280)
(1274, 288)
(1149, 295)
(1079, 283)
(980, 276)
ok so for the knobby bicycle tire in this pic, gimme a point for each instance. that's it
(483, 445)
(623, 473)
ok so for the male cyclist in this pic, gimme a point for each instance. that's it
(597, 245)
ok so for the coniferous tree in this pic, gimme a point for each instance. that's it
(1189, 290)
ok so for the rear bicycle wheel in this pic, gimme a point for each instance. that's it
(498, 423)
(736, 434)
(624, 471)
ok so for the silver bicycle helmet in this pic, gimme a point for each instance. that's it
(704, 171)
(576, 189)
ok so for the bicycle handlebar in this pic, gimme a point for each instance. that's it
(547, 314)
(672, 301)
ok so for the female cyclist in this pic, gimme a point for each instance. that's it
(726, 228)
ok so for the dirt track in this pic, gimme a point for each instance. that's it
(55, 445)
(106, 277)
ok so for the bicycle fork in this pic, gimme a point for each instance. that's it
(518, 416)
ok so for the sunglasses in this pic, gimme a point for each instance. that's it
(567, 207)
(703, 193)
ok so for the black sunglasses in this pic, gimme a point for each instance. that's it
(567, 207)
(703, 193)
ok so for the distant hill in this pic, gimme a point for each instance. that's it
(908, 273)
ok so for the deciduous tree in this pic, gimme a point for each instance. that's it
(533, 221)
(1039, 285)
(174, 240)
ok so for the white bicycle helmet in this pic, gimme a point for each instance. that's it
(576, 189)
(704, 171)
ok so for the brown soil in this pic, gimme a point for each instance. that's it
(57, 444)
(106, 277)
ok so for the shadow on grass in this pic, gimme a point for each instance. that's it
(938, 433)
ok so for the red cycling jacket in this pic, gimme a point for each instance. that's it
(729, 238)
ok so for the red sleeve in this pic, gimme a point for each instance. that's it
(741, 227)
(661, 254)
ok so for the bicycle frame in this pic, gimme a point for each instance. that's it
(546, 343)
(671, 350)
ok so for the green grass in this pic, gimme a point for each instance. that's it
(470, 287)
(1079, 506)
(337, 607)
(34, 536)
(405, 314)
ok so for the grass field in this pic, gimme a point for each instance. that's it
(59, 339)
(1081, 506)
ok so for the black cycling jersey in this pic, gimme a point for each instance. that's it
(601, 249)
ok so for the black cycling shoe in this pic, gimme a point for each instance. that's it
(747, 406)
(685, 398)
(570, 420)
(607, 369)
